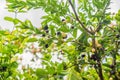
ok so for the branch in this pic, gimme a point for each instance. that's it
(99, 66)
(100, 70)
(77, 18)
(99, 27)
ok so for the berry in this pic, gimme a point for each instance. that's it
(112, 66)
(46, 46)
(4, 68)
(46, 27)
(47, 31)
(43, 35)
(83, 55)
(58, 33)
(112, 72)
(23, 67)
(93, 57)
(72, 27)
(117, 35)
(64, 36)
(63, 20)
(83, 22)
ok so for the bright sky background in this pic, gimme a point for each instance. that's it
(33, 15)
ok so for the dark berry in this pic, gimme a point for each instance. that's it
(47, 31)
(118, 41)
(43, 35)
(55, 74)
(72, 27)
(93, 57)
(112, 66)
(95, 66)
(112, 72)
(46, 27)
(83, 22)
(46, 46)
(65, 37)
(4, 68)
(63, 20)
(58, 33)
(83, 55)
(117, 35)
(60, 77)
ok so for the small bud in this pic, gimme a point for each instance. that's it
(34, 51)
(93, 50)
(39, 50)
(23, 67)
(99, 45)
(64, 36)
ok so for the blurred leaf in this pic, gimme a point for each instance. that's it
(32, 40)
(9, 19)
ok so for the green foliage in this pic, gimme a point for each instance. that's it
(92, 54)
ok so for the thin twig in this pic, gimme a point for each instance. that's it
(77, 18)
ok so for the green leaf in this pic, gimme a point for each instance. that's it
(50, 70)
(64, 28)
(41, 72)
(75, 33)
(73, 75)
(52, 28)
(9, 19)
(32, 40)
(11, 1)
(28, 23)
(59, 68)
